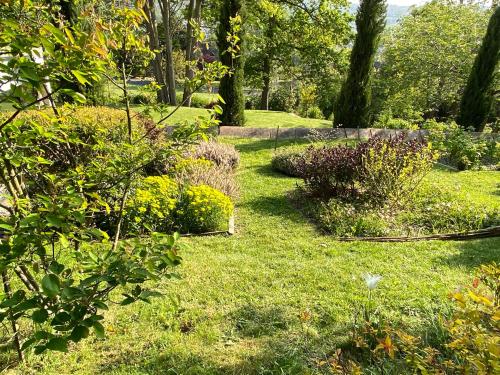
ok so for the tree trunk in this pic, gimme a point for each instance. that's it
(13, 321)
(169, 68)
(194, 13)
(154, 44)
(266, 80)
(267, 65)
(231, 85)
(353, 107)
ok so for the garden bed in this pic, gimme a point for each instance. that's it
(378, 189)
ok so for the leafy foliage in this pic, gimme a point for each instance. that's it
(230, 38)
(151, 205)
(344, 219)
(434, 211)
(67, 169)
(331, 171)
(392, 169)
(427, 58)
(283, 99)
(353, 106)
(383, 170)
(461, 149)
(478, 98)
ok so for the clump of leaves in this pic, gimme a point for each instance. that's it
(434, 211)
(382, 169)
(392, 169)
(331, 171)
(203, 209)
(61, 176)
(462, 149)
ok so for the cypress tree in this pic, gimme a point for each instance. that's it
(478, 97)
(231, 85)
(352, 108)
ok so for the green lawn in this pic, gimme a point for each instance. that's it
(240, 297)
(254, 118)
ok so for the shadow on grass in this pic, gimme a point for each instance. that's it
(268, 171)
(475, 253)
(273, 357)
(254, 145)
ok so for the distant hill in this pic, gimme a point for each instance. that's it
(394, 12)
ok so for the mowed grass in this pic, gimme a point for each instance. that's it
(239, 299)
(254, 118)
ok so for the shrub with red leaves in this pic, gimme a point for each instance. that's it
(330, 171)
(345, 172)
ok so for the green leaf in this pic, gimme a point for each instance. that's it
(51, 285)
(127, 301)
(78, 97)
(80, 77)
(56, 267)
(40, 316)
(100, 305)
(63, 240)
(99, 330)
(16, 298)
(54, 220)
(79, 333)
(58, 34)
(8, 227)
(58, 344)
(71, 292)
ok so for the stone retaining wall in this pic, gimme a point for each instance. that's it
(327, 133)
(297, 133)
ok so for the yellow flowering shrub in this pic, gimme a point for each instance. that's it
(203, 209)
(94, 122)
(152, 204)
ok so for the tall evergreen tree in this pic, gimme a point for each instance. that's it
(352, 108)
(478, 96)
(231, 85)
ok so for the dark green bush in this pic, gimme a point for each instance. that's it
(252, 102)
(314, 112)
(142, 98)
(198, 100)
(283, 99)
(387, 121)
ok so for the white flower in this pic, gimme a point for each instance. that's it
(371, 280)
